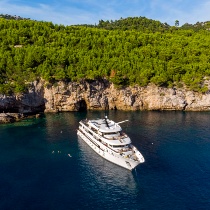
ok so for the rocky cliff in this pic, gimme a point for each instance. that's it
(102, 94)
(31, 102)
(98, 95)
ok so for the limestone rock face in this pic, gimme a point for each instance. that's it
(75, 96)
(100, 95)
(157, 98)
(30, 102)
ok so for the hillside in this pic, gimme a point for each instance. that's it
(134, 23)
(169, 57)
(144, 24)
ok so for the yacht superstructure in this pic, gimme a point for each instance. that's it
(107, 139)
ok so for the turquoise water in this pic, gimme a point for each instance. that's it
(43, 165)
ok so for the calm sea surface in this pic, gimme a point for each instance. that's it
(43, 165)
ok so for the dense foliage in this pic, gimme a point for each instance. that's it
(130, 23)
(31, 49)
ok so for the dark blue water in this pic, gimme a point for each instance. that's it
(43, 165)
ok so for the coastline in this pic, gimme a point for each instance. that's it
(99, 95)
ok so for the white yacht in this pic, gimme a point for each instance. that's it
(106, 138)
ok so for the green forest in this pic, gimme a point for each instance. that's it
(127, 52)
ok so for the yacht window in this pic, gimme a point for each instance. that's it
(111, 133)
(119, 146)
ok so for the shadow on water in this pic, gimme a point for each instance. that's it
(101, 177)
(107, 170)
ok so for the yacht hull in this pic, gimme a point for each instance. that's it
(107, 154)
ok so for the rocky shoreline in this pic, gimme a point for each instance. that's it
(10, 117)
(99, 95)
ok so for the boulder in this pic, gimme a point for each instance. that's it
(10, 117)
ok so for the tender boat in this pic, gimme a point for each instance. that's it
(106, 138)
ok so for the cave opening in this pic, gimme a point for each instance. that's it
(82, 106)
(9, 110)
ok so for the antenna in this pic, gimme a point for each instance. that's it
(105, 111)
(107, 124)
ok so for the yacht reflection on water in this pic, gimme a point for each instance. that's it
(104, 172)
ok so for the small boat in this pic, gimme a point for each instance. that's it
(108, 140)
